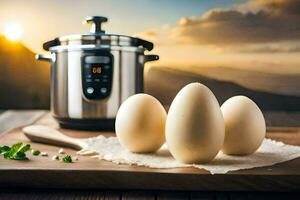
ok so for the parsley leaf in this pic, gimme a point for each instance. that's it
(4, 149)
(67, 159)
(15, 152)
(35, 152)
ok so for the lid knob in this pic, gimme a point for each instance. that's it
(96, 22)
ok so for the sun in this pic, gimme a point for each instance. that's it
(13, 32)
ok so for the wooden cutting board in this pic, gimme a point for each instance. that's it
(42, 172)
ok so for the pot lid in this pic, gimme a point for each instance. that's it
(98, 37)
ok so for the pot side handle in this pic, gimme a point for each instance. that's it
(151, 57)
(144, 43)
(51, 43)
(45, 57)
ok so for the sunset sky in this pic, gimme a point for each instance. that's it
(260, 35)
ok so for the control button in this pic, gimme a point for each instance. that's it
(88, 80)
(90, 90)
(106, 73)
(97, 80)
(106, 67)
(105, 80)
(103, 90)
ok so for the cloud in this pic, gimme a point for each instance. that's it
(150, 34)
(279, 7)
(158, 36)
(267, 48)
(255, 22)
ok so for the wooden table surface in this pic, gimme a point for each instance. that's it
(11, 119)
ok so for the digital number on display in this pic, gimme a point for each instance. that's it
(96, 70)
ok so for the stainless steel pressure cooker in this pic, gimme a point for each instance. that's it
(92, 74)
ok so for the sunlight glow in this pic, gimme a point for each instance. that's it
(13, 32)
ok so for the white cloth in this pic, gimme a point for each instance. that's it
(270, 153)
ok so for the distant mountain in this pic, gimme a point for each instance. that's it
(286, 84)
(164, 83)
(24, 82)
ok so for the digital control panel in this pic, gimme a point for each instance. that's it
(97, 72)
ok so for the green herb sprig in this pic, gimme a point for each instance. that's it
(67, 159)
(18, 152)
(35, 152)
(15, 152)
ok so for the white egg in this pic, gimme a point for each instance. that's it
(194, 126)
(140, 124)
(245, 126)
